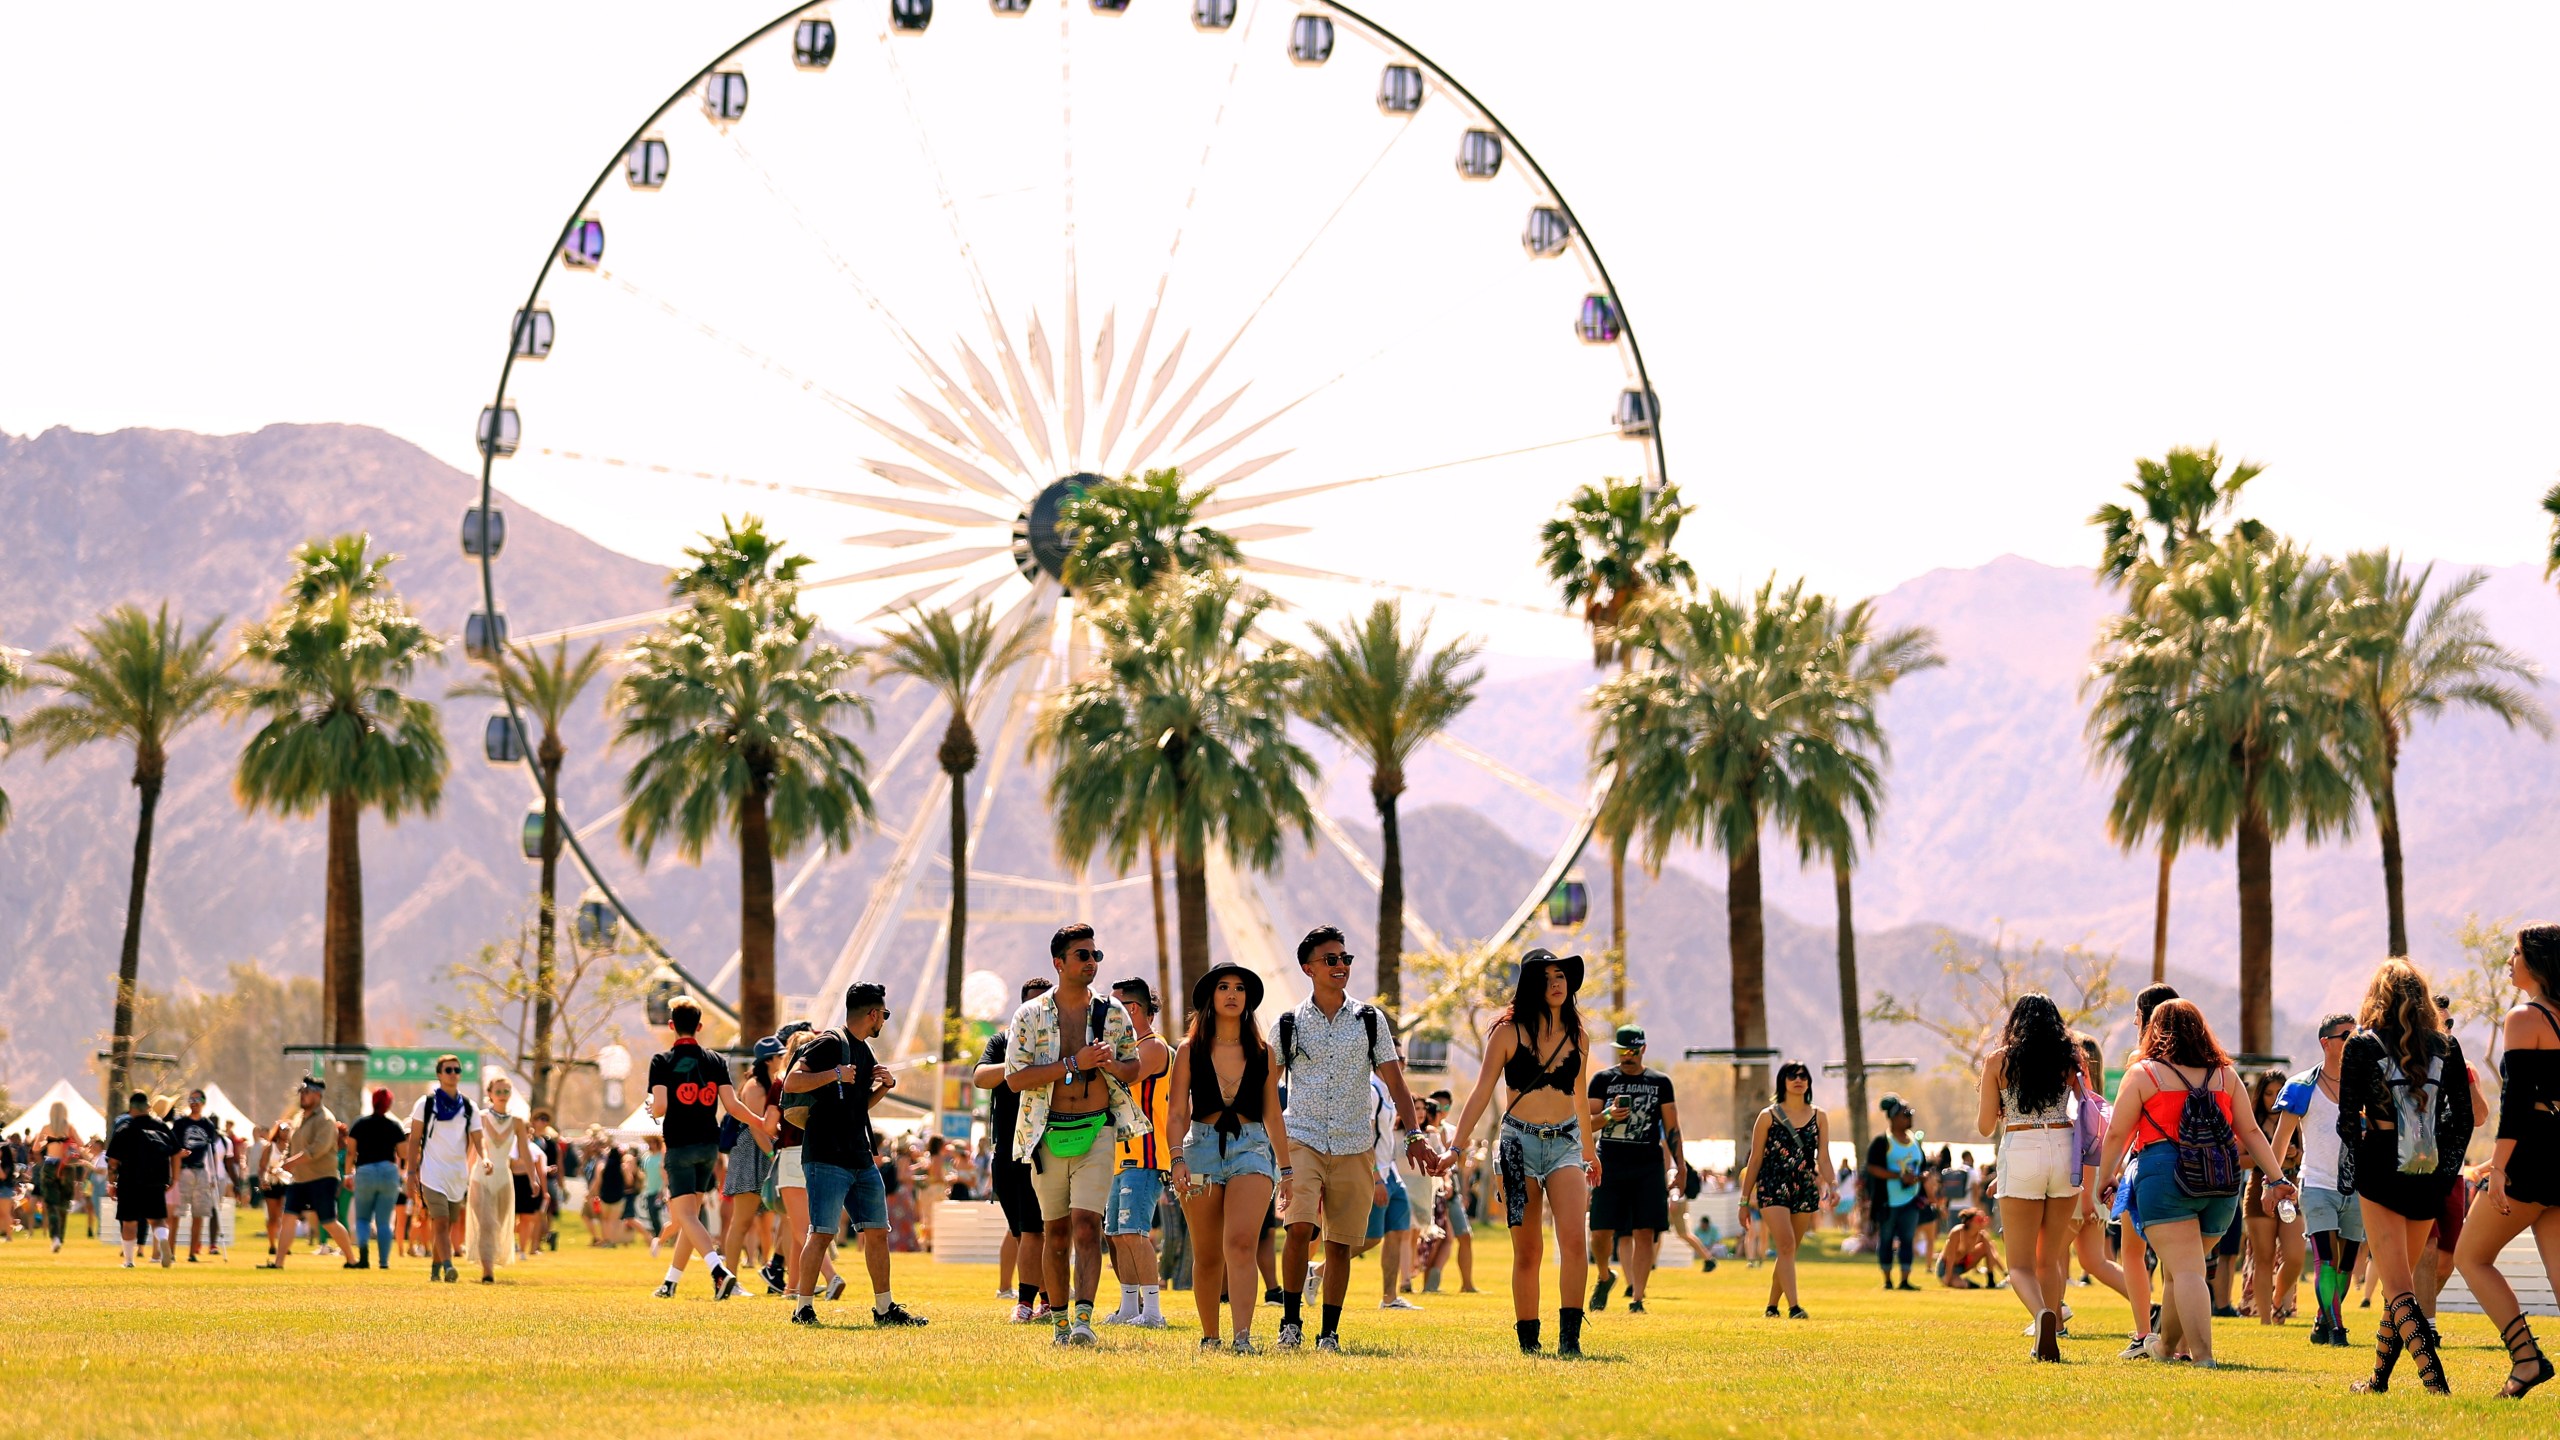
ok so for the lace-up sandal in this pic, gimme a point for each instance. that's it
(2386, 1354)
(2520, 1343)
(2420, 1339)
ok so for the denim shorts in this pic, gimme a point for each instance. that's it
(836, 1194)
(1395, 1215)
(1132, 1211)
(2116, 1209)
(1248, 1152)
(1530, 1153)
(2326, 1211)
(2157, 1200)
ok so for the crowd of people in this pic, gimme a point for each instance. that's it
(1274, 1158)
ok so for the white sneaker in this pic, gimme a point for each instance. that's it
(1081, 1333)
(1397, 1303)
(1021, 1315)
(1150, 1322)
(1115, 1318)
(835, 1290)
(1314, 1292)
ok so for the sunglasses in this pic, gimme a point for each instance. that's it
(2339, 1035)
(448, 1069)
(1082, 955)
(1345, 958)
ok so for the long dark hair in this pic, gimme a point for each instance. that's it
(1789, 1071)
(2541, 947)
(1529, 1007)
(1201, 1026)
(2262, 1098)
(2038, 1058)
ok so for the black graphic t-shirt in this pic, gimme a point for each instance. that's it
(693, 1077)
(838, 1131)
(1637, 1139)
(195, 1135)
(140, 1148)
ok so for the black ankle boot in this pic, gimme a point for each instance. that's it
(1528, 1331)
(1568, 1331)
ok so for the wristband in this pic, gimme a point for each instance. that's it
(1286, 1172)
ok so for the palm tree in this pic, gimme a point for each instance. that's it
(1747, 715)
(2551, 507)
(136, 679)
(738, 559)
(1181, 735)
(1129, 531)
(1609, 551)
(732, 705)
(1382, 695)
(2179, 496)
(11, 679)
(1839, 806)
(958, 658)
(547, 686)
(339, 734)
(2413, 659)
(2224, 692)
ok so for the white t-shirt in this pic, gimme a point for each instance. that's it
(444, 1164)
(2302, 1096)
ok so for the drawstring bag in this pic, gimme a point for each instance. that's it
(2414, 1103)
(2207, 1153)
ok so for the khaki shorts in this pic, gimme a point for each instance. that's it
(1345, 1184)
(1083, 1183)
(196, 1193)
(440, 1206)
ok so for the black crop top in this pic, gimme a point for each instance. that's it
(2531, 1103)
(1525, 1072)
(1206, 1099)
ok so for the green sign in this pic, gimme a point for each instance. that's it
(414, 1067)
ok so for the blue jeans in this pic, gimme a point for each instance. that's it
(1897, 1229)
(837, 1194)
(377, 1185)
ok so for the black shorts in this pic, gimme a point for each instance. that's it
(318, 1197)
(141, 1202)
(1632, 1201)
(689, 1171)
(527, 1201)
(1021, 1203)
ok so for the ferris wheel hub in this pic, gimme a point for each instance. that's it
(1039, 544)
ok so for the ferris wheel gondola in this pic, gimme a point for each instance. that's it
(903, 287)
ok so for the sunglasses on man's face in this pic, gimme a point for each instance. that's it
(448, 1069)
(1080, 956)
(1342, 957)
(2338, 1035)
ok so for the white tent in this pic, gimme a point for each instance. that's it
(85, 1119)
(218, 1107)
(640, 1122)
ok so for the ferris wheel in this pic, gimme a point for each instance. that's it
(900, 277)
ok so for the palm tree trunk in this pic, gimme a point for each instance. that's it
(1618, 924)
(1191, 903)
(129, 958)
(343, 967)
(956, 957)
(1171, 999)
(2255, 850)
(2386, 821)
(755, 915)
(546, 955)
(1746, 946)
(1853, 1043)
(2160, 916)
(1390, 964)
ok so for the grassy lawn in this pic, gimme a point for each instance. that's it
(572, 1344)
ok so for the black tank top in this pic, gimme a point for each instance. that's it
(1207, 1100)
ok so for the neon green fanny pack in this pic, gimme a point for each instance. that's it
(1072, 1136)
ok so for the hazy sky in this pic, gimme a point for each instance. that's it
(1916, 283)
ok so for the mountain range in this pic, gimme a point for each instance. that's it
(1995, 819)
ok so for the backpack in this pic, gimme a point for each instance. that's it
(2413, 1098)
(1289, 1032)
(2207, 1155)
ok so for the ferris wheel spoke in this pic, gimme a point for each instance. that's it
(1286, 570)
(640, 621)
(1563, 805)
(1071, 375)
(1242, 504)
(981, 435)
(943, 460)
(1332, 831)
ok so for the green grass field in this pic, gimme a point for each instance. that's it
(573, 1345)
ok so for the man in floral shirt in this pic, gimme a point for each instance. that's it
(1071, 1055)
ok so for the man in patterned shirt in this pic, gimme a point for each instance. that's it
(1330, 1047)
(1071, 1055)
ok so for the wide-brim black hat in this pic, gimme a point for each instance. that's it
(1208, 985)
(1571, 965)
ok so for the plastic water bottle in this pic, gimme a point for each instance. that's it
(2286, 1210)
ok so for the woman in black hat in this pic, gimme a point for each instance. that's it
(1539, 1052)
(1223, 1100)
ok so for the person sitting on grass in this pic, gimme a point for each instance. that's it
(1968, 1260)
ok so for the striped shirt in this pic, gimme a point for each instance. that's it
(1148, 1151)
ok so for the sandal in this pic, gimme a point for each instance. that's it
(2519, 1337)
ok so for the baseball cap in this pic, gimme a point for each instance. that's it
(1630, 1037)
(1892, 1103)
(314, 1082)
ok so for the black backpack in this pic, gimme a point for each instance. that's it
(2207, 1153)
(1289, 1033)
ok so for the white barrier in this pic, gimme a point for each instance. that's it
(968, 1232)
(2522, 1265)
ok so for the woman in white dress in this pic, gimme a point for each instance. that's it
(490, 1225)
